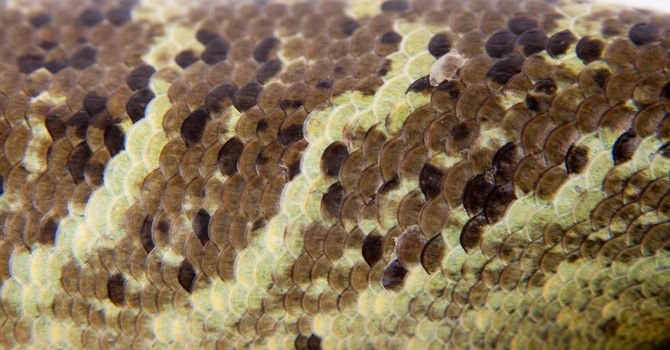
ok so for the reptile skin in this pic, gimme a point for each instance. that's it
(401, 174)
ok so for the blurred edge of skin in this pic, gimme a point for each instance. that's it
(654, 5)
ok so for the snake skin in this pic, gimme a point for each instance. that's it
(401, 174)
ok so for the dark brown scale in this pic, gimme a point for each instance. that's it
(624, 147)
(332, 199)
(497, 202)
(521, 25)
(394, 275)
(533, 41)
(194, 125)
(55, 66)
(115, 289)
(505, 68)
(79, 122)
(644, 33)
(114, 139)
(314, 342)
(430, 181)
(139, 77)
(349, 26)
(373, 248)
(395, 6)
(476, 192)
(291, 158)
(145, 235)
(559, 43)
(229, 155)
(576, 159)
(29, 63)
(201, 226)
(48, 230)
(419, 85)
(186, 275)
(589, 49)
(205, 36)
(451, 87)
(186, 58)
(94, 104)
(500, 44)
(90, 17)
(220, 98)
(390, 38)
(78, 160)
(215, 51)
(268, 70)
(290, 134)
(246, 97)
(439, 45)
(39, 20)
(433, 253)
(264, 49)
(137, 103)
(473, 230)
(55, 126)
(118, 15)
(83, 57)
(333, 157)
(505, 161)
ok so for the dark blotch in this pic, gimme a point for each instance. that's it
(186, 275)
(349, 26)
(589, 49)
(83, 57)
(39, 20)
(390, 38)
(194, 125)
(665, 150)
(601, 76)
(185, 58)
(145, 235)
(215, 51)
(94, 104)
(439, 45)
(264, 48)
(139, 77)
(476, 192)
(624, 147)
(55, 126)
(205, 36)
(332, 199)
(79, 123)
(451, 87)
(118, 15)
(430, 181)
(229, 155)
(500, 44)
(246, 97)
(114, 139)
(421, 84)
(290, 105)
(505, 161)
(521, 25)
(576, 159)
(29, 63)
(384, 68)
(220, 97)
(333, 158)
(395, 6)
(137, 103)
(201, 226)
(644, 33)
(268, 70)
(47, 231)
(545, 86)
(390, 185)
(115, 289)
(290, 134)
(324, 84)
(505, 68)
(394, 275)
(313, 342)
(77, 161)
(47, 45)
(55, 66)
(373, 248)
(665, 92)
(497, 202)
(533, 41)
(90, 17)
(559, 43)
(473, 230)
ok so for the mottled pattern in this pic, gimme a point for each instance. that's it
(405, 174)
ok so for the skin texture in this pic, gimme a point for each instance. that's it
(308, 175)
